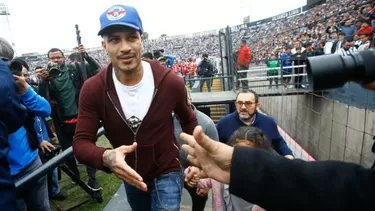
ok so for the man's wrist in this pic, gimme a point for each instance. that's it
(23, 91)
(106, 158)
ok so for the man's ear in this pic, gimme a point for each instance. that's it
(104, 45)
(258, 105)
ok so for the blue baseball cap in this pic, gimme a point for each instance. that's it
(120, 15)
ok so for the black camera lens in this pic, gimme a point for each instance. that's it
(333, 71)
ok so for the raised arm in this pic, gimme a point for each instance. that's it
(277, 183)
(38, 105)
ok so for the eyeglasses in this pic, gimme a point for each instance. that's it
(246, 103)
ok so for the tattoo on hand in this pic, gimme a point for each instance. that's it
(109, 159)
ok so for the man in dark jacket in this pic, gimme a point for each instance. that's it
(61, 84)
(205, 71)
(247, 105)
(134, 100)
(12, 117)
(299, 59)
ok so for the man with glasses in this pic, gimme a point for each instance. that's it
(247, 104)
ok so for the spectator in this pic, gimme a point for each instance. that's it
(12, 117)
(347, 48)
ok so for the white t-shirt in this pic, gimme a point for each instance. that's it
(136, 100)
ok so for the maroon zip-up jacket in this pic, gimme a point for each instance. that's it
(157, 151)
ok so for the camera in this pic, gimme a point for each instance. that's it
(49, 155)
(15, 67)
(333, 71)
(53, 69)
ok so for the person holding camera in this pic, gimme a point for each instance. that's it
(12, 117)
(61, 83)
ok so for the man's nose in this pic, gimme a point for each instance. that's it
(125, 47)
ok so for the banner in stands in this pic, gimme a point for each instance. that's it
(259, 22)
(313, 2)
(239, 27)
(287, 14)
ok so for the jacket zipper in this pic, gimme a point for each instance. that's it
(178, 149)
(134, 132)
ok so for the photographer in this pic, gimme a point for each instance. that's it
(12, 117)
(61, 84)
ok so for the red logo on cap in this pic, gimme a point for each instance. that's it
(116, 13)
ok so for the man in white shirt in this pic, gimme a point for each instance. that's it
(346, 49)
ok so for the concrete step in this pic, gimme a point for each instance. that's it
(218, 114)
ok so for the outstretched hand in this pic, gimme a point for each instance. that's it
(115, 160)
(213, 157)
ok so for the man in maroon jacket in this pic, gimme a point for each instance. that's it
(134, 100)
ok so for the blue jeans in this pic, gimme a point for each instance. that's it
(163, 193)
(35, 197)
(55, 182)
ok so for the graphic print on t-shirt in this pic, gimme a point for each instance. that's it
(134, 123)
(135, 100)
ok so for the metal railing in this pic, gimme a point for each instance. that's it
(195, 82)
(258, 76)
(59, 161)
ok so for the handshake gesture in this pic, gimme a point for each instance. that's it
(193, 175)
(115, 160)
(213, 157)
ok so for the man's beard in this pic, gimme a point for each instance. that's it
(246, 116)
(61, 65)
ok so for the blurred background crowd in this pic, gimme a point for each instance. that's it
(325, 28)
